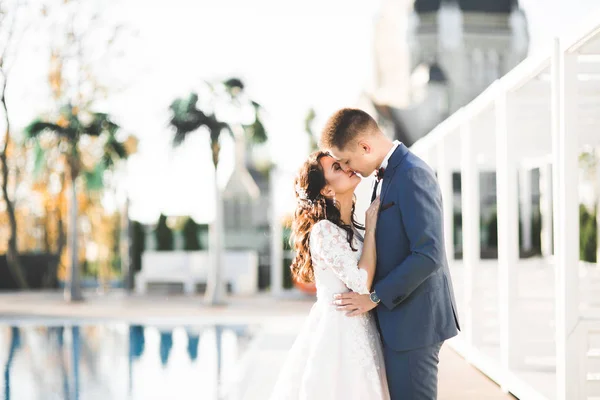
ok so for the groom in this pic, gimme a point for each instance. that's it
(412, 291)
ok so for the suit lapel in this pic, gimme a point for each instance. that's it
(393, 164)
(386, 185)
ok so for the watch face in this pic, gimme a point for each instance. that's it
(374, 297)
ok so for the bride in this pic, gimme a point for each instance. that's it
(335, 356)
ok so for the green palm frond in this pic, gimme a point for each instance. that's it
(216, 127)
(70, 120)
(114, 151)
(38, 126)
(256, 132)
(186, 117)
(107, 161)
(184, 105)
(69, 128)
(101, 123)
(117, 148)
(233, 86)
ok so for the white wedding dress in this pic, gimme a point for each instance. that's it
(334, 356)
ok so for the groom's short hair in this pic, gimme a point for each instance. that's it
(345, 126)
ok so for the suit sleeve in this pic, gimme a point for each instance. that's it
(420, 205)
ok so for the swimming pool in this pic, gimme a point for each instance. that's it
(122, 361)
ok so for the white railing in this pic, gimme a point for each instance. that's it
(589, 356)
(532, 325)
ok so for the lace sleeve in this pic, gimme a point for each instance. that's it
(329, 245)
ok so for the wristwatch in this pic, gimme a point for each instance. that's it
(374, 298)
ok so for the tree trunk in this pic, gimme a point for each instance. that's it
(13, 260)
(125, 248)
(215, 291)
(73, 289)
(51, 276)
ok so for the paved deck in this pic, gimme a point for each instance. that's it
(458, 379)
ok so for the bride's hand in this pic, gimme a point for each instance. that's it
(371, 216)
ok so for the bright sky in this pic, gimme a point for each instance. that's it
(549, 18)
(291, 55)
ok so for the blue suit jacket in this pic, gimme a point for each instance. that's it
(412, 279)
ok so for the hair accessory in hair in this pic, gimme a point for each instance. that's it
(302, 195)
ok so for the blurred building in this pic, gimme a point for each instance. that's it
(434, 56)
(246, 204)
(247, 222)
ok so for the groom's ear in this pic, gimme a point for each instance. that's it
(364, 147)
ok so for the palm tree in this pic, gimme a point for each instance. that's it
(67, 132)
(186, 119)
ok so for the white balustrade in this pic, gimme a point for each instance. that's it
(532, 325)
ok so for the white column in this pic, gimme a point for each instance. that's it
(566, 226)
(471, 231)
(525, 208)
(508, 230)
(546, 208)
(444, 175)
(276, 255)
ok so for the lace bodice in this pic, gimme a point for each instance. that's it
(334, 262)
(334, 356)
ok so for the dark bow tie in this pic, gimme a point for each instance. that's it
(379, 174)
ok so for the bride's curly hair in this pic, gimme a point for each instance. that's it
(313, 207)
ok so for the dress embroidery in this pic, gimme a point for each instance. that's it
(334, 357)
(329, 248)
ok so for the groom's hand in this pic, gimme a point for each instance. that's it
(353, 303)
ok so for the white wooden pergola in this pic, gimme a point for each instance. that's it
(532, 325)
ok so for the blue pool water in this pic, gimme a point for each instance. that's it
(121, 361)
